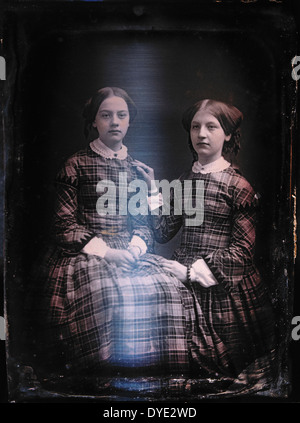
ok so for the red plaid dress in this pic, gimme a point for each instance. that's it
(234, 329)
(104, 317)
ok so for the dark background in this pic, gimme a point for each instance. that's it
(166, 57)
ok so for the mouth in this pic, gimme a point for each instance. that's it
(202, 143)
(114, 131)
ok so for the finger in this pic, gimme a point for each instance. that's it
(125, 261)
(126, 265)
(167, 267)
(138, 163)
(135, 255)
(144, 168)
(126, 269)
(170, 271)
(145, 172)
(167, 262)
(142, 171)
(129, 259)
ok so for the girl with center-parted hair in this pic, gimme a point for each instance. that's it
(235, 332)
(110, 304)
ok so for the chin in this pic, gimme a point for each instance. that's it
(115, 138)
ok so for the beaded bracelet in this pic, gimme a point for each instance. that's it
(188, 274)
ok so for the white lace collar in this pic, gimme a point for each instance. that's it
(100, 148)
(216, 166)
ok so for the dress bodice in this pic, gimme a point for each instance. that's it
(86, 184)
(223, 194)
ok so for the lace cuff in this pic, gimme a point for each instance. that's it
(96, 246)
(155, 201)
(136, 241)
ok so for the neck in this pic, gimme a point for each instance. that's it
(204, 161)
(114, 147)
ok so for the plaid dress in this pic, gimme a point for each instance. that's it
(234, 329)
(100, 316)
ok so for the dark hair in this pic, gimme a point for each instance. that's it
(230, 119)
(92, 106)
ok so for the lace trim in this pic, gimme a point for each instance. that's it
(100, 148)
(216, 166)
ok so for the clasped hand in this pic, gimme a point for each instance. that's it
(177, 269)
(125, 259)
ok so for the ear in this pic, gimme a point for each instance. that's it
(228, 137)
(94, 124)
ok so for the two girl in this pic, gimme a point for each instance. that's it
(113, 304)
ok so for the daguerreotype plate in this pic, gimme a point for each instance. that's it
(167, 56)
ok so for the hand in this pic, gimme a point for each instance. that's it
(135, 251)
(176, 268)
(207, 282)
(146, 172)
(122, 258)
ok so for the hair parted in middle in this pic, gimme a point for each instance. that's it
(229, 117)
(92, 105)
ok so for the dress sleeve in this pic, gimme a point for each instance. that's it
(230, 265)
(141, 229)
(136, 241)
(164, 226)
(70, 234)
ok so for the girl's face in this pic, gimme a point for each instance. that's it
(207, 137)
(112, 121)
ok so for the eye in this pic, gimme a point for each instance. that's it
(211, 127)
(105, 115)
(122, 115)
(194, 126)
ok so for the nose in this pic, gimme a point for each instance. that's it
(115, 120)
(202, 132)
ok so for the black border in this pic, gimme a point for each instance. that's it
(293, 7)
